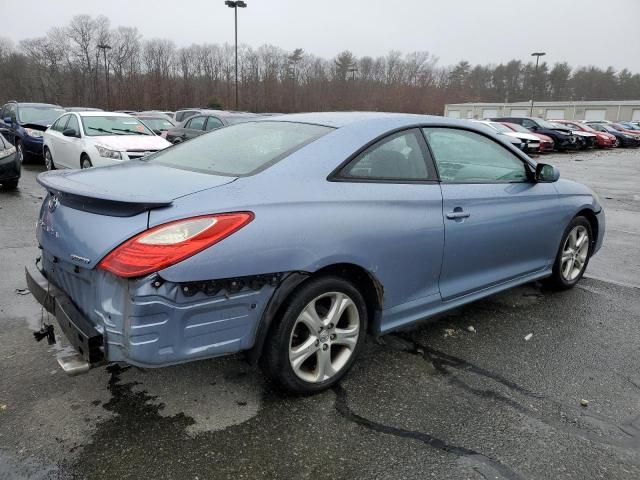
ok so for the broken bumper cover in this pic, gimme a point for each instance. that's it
(149, 321)
(80, 333)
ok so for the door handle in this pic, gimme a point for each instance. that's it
(456, 214)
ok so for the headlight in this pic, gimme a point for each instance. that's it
(34, 133)
(7, 152)
(107, 153)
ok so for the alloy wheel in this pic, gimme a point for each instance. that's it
(86, 163)
(324, 337)
(19, 152)
(574, 253)
(48, 161)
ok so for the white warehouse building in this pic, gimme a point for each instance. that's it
(621, 110)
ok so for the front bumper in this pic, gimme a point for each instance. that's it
(9, 167)
(80, 333)
(33, 145)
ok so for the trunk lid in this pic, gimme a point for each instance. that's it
(87, 213)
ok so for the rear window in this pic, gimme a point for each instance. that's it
(240, 150)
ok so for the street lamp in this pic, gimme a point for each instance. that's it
(235, 5)
(104, 47)
(535, 77)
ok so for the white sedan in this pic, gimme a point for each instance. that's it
(531, 143)
(95, 139)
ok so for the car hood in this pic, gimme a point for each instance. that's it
(580, 133)
(38, 124)
(523, 136)
(131, 142)
(127, 188)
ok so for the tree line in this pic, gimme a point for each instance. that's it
(67, 67)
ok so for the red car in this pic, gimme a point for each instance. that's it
(546, 143)
(603, 139)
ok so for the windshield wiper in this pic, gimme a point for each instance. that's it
(103, 130)
(130, 131)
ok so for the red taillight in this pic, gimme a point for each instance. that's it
(170, 243)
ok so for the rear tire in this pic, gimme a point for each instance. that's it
(573, 255)
(318, 336)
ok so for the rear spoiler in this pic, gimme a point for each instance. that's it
(80, 196)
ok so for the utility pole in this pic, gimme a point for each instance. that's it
(104, 47)
(235, 4)
(535, 77)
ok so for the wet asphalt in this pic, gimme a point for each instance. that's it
(435, 401)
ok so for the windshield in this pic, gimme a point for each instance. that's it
(29, 114)
(109, 125)
(544, 124)
(157, 123)
(239, 150)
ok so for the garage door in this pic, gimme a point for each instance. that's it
(453, 113)
(635, 116)
(489, 113)
(555, 114)
(519, 112)
(591, 114)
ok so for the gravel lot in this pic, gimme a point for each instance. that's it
(437, 401)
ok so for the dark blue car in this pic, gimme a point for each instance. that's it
(24, 123)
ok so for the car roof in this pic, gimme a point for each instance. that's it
(343, 119)
(35, 104)
(102, 114)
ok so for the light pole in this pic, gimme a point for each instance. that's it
(235, 4)
(104, 47)
(535, 77)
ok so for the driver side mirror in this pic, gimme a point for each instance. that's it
(70, 132)
(546, 173)
(157, 131)
(7, 120)
(533, 128)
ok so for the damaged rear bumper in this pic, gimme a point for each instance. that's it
(149, 321)
(80, 333)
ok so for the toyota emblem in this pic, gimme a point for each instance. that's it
(53, 203)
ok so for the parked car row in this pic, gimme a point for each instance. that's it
(575, 135)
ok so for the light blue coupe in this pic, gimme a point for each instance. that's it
(293, 237)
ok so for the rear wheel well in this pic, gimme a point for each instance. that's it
(593, 221)
(370, 288)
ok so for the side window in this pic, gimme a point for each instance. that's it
(526, 123)
(467, 157)
(398, 157)
(73, 123)
(59, 124)
(4, 112)
(213, 122)
(11, 112)
(196, 123)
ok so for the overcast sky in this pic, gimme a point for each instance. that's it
(582, 32)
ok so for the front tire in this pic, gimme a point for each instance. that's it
(48, 159)
(10, 184)
(85, 162)
(573, 255)
(318, 336)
